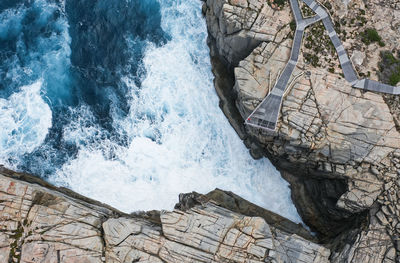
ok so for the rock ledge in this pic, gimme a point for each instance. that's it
(43, 223)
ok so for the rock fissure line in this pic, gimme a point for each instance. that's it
(337, 145)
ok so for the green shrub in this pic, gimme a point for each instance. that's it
(389, 67)
(370, 35)
(293, 25)
(389, 57)
(312, 59)
(280, 2)
(328, 5)
(395, 77)
(307, 12)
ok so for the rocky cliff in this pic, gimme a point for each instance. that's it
(42, 223)
(338, 147)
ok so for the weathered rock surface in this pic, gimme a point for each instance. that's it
(329, 136)
(239, 26)
(354, 17)
(42, 223)
(339, 148)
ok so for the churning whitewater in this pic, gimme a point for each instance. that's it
(115, 100)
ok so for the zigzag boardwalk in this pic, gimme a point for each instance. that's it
(265, 116)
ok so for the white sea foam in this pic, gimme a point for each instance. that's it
(25, 119)
(179, 140)
(37, 55)
(10, 22)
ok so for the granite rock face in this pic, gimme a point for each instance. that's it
(42, 223)
(238, 26)
(328, 133)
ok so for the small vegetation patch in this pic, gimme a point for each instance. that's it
(318, 45)
(389, 68)
(389, 73)
(293, 25)
(395, 77)
(327, 5)
(358, 20)
(277, 4)
(370, 35)
(307, 12)
(313, 59)
(15, 249)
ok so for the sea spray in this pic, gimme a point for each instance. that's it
(136, 119)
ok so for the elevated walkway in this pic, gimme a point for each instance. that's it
(265, 116)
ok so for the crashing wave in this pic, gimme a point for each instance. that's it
(135, 114)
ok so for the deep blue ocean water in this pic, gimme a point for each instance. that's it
(115, 100)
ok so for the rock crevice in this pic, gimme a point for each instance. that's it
(328, 134)
(40, 224)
